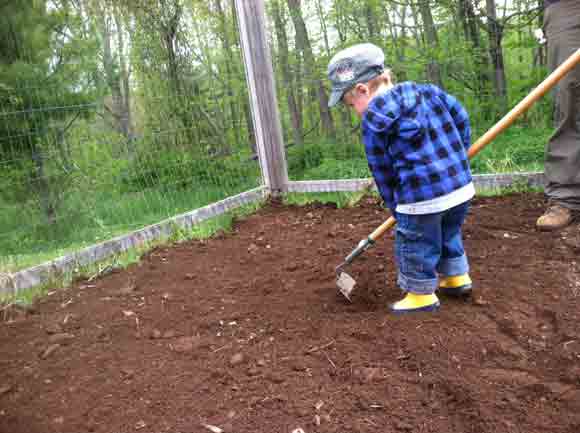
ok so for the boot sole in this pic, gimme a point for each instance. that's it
(457, 292)
(426, 309)
(553, 228)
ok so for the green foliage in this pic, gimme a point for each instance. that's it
(14, 182)
(516, 149)
(317, 160)
(174, 170)
(340, 199)
(339, 169)
(517, 188)
(39, 67)
(305, 157)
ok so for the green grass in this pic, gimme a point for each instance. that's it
(91, 220)
(203, 230)
(340, 199)
(518, 149)
(516, 188)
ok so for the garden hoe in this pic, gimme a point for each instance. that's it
(344, 281)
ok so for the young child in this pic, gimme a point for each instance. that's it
(416, 139)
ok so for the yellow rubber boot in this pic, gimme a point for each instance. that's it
(414, 303)
(455, 285)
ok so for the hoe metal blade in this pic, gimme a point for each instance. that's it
(345, 284)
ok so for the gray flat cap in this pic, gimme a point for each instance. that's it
(356, 64)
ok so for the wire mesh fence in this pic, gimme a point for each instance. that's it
(79, 186)
(143, 132)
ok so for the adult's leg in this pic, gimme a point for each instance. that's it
(562, 163)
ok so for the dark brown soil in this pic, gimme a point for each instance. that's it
(246, 332)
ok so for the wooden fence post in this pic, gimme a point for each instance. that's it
(262, 92)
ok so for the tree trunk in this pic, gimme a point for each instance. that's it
(113, 82)
(227, 48)
(371, 20)
(169, 32)
(317, 86)
(323, 26)
(281, 37)
(495, 32)
(169, 36)
(398, 43)
(125, 103)
(432, 42)
(471, 33)
(251, 135)
(416, 20)
(340, 25)
(540, 56)
(42, 185)
(402, 45)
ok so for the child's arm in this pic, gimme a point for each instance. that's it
(378, 122)
(459, 115)
(380, 165)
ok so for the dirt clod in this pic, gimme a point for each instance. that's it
(64, 338)
(237, 359)
(53, 328)
(186, 344)
(169, 334)
(49, 351)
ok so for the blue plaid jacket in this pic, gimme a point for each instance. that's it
(416, 138)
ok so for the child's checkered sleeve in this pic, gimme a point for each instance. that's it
(377, 124)
(380, 165)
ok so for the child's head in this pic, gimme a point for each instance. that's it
(357, 73)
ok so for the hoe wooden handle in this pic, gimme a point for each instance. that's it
(380, 230)
(544, 87)
(523, 106)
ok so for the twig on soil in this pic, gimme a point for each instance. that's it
(330, 360)
(101, 272)
(567, 343)
(6, 279)
(6, 311)
(66, 303)
(221, 348)
(566, 391)
(317, 348)
(7, 306)
(443, 344)
(370, 421)
(212, 428)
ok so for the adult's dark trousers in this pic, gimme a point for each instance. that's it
(562, 163)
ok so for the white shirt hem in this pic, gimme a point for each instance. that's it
(439, 204)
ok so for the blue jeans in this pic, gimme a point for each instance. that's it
(429, 245)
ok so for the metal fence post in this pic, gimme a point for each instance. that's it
(262, 91)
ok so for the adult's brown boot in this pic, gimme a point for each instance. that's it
(556, 217)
